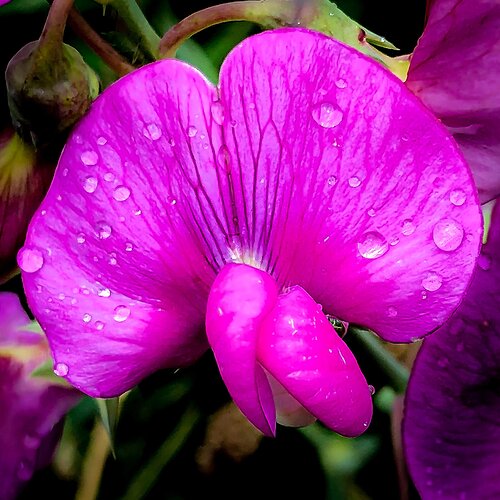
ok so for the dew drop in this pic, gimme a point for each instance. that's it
(372, 245)
(121, 193)
(432, 282)
(61, 369)
(121, 313)
(109, 176)
(484, 262)
(457, 197)
(392, 312)
(101, 141)
(152, 132)
(61, 296)
(408, 227)
(103, 230)
(332, 180)
(86, 318)
(89, 158)
(354, 182)
(99, 325)
(80, 238)
(224, 158)
(371, 212)
(448, 235)
(341, 83)
(371, 389)
(217, 111)
(192, 131)
(112, 259)
(65, 172)
(129, 247)
(90, 184)
(137, 212)
(30, 260)
(105, 292)
(327, 115)
(394, 241)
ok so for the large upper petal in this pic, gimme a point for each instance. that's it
(451, 426)
(344, 183)
(455, 70)
(308, 162)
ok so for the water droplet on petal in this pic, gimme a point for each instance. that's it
(332, 180)
(152, 132)
(61, 296)
(448, 235)
(89, 158)
(121, 193)
(65, 172)
(129, 247)
(101, 141)
(432, 282)
(484, 262)
(371, 212)
(394, 241)
(192, 131)
(30, 260)
(392, 312)
(408, 227)
(109, 176)
(224, 158)
(103, 230)
(90, 184)
(105, 292)
(217, 111)
(341, 83)
(112, 259)
(86, 318)
(372, 245)
(137, 212)
(458, 197)
(121, 313)
(99, 325)
(371, 389)
(61, 369)
(354, 182)
(327, 115)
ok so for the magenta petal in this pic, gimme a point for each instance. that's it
(451, 427)
(119, 259)
(239, 299)
(31, 408)
(455, 70)
(300, 348)
(344, 183)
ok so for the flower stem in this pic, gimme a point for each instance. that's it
(137, 23)
(53, 30)
(146, 478)
(102, 48)
(394, 370)
(255, 11)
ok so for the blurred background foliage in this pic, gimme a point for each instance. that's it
(178, 435)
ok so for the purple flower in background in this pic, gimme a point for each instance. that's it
(24, 180)
(451, 427)
(3, 2)
(309, 176)
(455, 70)
(32, 408)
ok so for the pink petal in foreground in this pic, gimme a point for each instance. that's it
(239, 299)
(455, 70)
(300, 348)
(451, 426)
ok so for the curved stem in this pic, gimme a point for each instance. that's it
(102, 48)
(137, 23)
(53, 30)
(394, 370)
(255, 11)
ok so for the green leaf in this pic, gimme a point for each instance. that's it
(109, 410)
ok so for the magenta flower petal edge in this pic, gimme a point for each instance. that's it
(309, 168)
(455, 70)
(451, 427)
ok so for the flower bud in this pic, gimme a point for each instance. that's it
(49, 89)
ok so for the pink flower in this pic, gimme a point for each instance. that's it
(309, 176)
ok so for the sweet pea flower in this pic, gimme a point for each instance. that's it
(310, 181)
(24, 180)
(32, 408)
(451, 427)
(455, 70)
